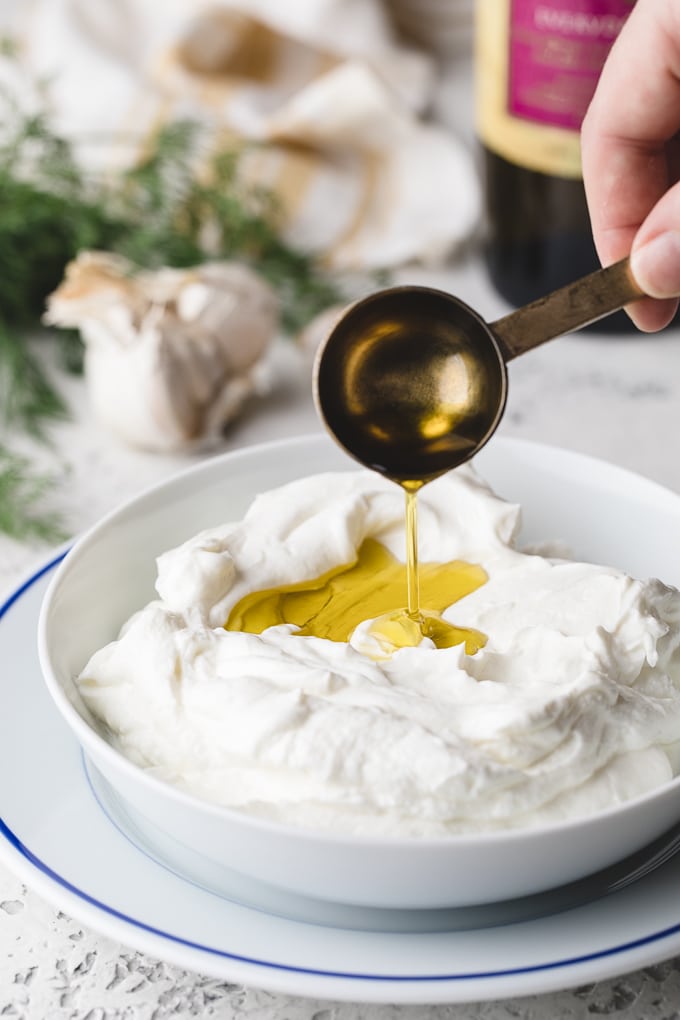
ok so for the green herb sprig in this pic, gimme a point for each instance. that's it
(170, 209)
(169, 212)
(21, 492)
(160, 212)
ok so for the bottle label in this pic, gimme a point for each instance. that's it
(537, 65)
(557, 50)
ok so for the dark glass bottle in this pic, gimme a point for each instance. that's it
(537, 66)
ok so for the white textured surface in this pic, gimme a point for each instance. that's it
(52, 969)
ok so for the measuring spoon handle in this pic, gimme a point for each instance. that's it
(579, 303)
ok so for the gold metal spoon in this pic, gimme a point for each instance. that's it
(412, 381)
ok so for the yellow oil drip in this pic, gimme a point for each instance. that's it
(333, 605)
(405, 628)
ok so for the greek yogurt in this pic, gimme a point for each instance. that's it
(572, 705)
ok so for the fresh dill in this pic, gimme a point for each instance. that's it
(167, 210)
(171, 214)
(22, 491)
(175, 207)
(27, 398)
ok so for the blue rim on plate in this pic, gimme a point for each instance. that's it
(661, 943)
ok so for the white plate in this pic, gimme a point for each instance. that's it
(57, 838)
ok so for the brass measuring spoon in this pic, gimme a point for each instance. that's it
(412, 381)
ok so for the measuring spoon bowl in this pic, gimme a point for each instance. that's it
(412, 382)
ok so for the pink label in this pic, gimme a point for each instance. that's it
(557, 49)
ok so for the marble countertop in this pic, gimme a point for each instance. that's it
(614, 397)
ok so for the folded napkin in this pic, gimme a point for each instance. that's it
(334, 102)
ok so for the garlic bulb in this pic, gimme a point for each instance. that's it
(169, 354)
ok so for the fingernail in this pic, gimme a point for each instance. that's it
(656, 265)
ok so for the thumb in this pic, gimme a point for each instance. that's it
(655, 263)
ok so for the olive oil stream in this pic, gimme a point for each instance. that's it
(404, 628)
(331, 606)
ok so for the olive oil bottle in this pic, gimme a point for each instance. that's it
(537, 64)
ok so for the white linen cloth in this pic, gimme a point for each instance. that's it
(336, 102)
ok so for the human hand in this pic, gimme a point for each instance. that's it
(631, 157)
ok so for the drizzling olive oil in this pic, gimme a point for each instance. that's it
(405, 628)
(332, 605)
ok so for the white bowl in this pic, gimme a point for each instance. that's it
(606, 514)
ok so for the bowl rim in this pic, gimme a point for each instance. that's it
(99, 748)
